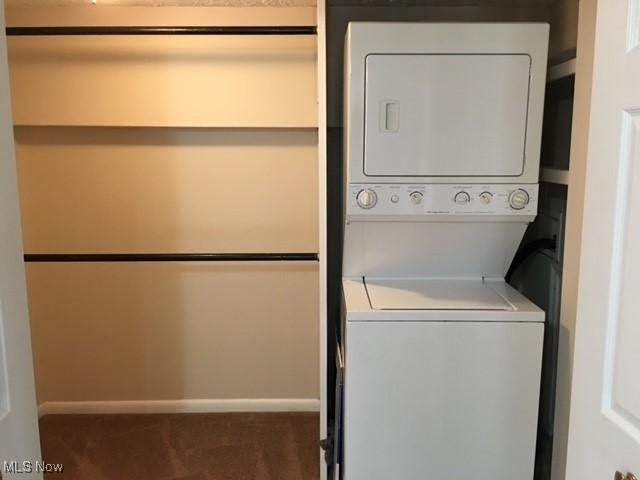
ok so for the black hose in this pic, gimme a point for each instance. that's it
(527, 250)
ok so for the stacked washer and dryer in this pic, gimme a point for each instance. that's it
(442, 358)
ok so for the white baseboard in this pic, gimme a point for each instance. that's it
(182, 406)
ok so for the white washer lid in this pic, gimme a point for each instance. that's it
(433, 294)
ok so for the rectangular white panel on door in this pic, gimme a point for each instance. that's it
(446, 115)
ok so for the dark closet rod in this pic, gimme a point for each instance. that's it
(171, 257)
(224, 30)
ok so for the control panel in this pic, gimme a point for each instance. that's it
(442, 199)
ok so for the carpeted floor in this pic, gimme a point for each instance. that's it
(235, 446)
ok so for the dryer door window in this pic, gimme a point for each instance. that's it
(446, 115)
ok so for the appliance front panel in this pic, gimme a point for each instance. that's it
(441, 400)
(517, 202)
(454, 115)
(393, 248)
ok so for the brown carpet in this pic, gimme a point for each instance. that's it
(236, 446)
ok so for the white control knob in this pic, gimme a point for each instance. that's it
(518, 199)
(366, 198)
(486, 197)
(416, 198)
(462, 198)
(395, 198)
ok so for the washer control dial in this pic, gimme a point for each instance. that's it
(518, 199)
(416, 198)
(462, 198)
(486, 197)
(367, 198)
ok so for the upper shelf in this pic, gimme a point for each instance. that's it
(554, 175)
(561, 70)
(160, 3)
(109, 13)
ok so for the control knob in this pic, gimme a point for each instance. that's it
(462, 198)
(485, 197)
(518, 199)
(367, 198)
(416, 198)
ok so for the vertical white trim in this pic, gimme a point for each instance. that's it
(5, 405)
(19, 438)
(322, 219)
(573, 232)
(633, 28)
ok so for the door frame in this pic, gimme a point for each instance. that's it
(19, 435)
(573, 232)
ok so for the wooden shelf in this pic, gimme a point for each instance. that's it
(554, 175)
(561, 70)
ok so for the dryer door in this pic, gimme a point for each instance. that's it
(446, 115)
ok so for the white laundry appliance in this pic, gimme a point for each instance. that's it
(442, 358)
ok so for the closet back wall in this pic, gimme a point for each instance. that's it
(169, 144)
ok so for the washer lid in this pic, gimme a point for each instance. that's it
(433, 294)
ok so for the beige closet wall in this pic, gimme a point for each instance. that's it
(147, 190)
(166, 331)
(164, 81)
(169, 145)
